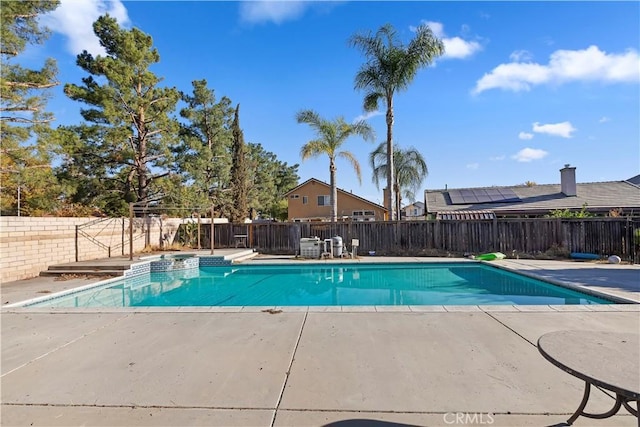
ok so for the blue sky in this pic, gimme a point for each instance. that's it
(524, 87)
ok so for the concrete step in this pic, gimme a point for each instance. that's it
(83, 267)
(78, 272)
(240, 255)
(245, 257)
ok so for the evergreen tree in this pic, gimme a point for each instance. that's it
(204, 158)
(239, 181)
(25, 172)
(269, 180)
(128, 117)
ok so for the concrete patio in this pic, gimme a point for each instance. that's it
(380, 366)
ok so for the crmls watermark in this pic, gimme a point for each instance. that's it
(461, 418)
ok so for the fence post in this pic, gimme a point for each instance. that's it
(130, 231)
(122, 238)
(630, 240)
(76, 243)
(212, 241)
(495, 244)
(200, 246)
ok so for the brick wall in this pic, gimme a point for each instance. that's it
(29, 245)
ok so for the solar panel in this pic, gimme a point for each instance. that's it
(509, 195)
(482, 195)
(483, 198)
(456, 197)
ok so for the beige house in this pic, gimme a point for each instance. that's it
(413, 211)
(310, 201)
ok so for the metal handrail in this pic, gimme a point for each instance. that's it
(93, 222)
(81, 233)
(94, 241)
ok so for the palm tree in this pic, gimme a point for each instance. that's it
(391, 67)
(331, 135)
(410, 170)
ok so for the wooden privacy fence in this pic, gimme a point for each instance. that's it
(602, 236)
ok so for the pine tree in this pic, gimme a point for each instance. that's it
(25, 168)
(269, 180)
(130, 131)
(204, 158)
(239, 181)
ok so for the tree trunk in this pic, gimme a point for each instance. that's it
(143, 183)
(398, 201)
(143, 191)
(390, 169)
(334, 191)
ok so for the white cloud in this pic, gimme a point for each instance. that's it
(525, 135)
(437, 28)
(74, 19)
(547, 41)
(458, 48)
(604, 119)
(367, 116)
(473, 166)
(589, 64)
(564, 129)
(529, 154)
(521, 56)
(497, 158)
(275, 11)
(454, 47)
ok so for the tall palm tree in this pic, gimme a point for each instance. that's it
(330, 137)
(410, 170)
(390, 68)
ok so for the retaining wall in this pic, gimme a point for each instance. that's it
(29, 245)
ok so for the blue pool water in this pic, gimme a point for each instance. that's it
(327, 284)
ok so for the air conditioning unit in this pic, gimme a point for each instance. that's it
(310, 247)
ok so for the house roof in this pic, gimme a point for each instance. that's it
(418, 205)
(317, 181)
(634, 180)
(598, 196)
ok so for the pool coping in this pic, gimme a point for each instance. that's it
(337, 309)
(616, 301)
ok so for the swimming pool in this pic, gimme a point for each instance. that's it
(454, 283)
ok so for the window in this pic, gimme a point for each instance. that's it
(415, 212)
(323, 201)
(305, 200)
(295, 196)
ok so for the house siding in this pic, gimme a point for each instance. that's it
(347, 203)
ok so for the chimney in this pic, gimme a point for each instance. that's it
(385, 194)
(568, 180)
